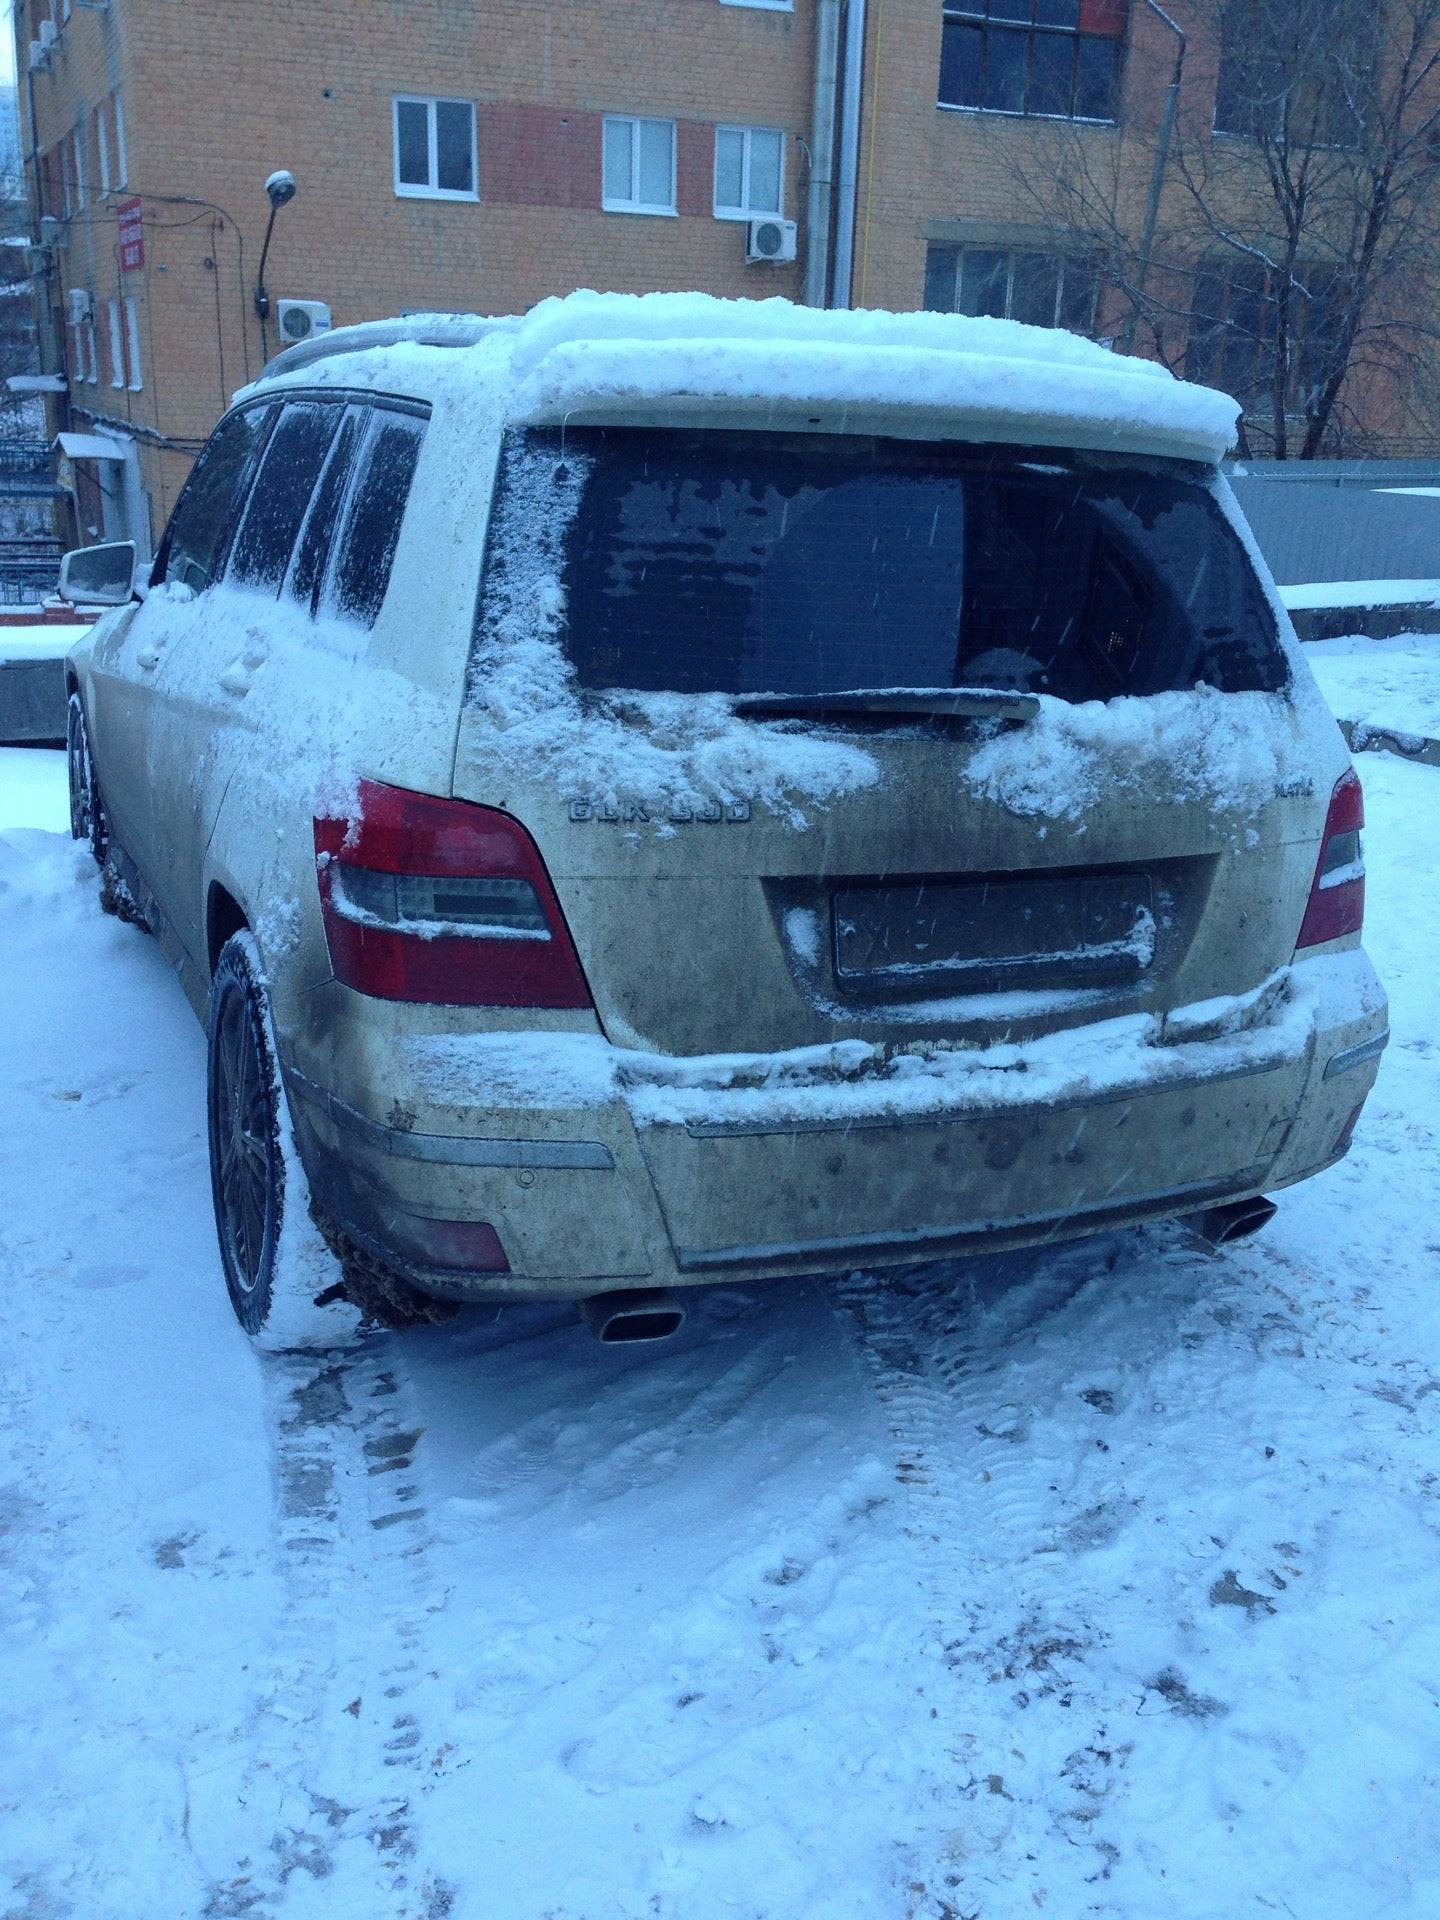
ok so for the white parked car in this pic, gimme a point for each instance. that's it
(672, 790)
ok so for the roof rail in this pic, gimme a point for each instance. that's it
(416, 329)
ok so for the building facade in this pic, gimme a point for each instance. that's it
(449, 156)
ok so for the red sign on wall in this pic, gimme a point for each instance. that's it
(132, 237)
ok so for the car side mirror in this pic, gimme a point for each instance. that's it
(102, 576)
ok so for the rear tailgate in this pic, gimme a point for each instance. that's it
(733, 884)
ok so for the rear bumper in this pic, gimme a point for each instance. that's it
(683, 1172)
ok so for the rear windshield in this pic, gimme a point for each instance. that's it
(698, 562)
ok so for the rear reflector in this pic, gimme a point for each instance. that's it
(1337, 897)
(463, 1246)
(442, 902)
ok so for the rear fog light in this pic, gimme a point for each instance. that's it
(1347, 1133)
(1337, 894)
(442, 902)
(464, 1246)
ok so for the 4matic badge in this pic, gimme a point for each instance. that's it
(630, 812)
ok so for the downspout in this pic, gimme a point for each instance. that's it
(1157, 176)
(822, 154)
(849, 150)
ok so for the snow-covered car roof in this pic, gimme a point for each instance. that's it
(617, 357)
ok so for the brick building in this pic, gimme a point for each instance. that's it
(457, 157)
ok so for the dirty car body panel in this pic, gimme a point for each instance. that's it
(926, 796)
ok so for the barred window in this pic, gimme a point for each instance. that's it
(1043, 289)
(1055, 58)
(1233, 332)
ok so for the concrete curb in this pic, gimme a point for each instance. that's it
(1362, 737)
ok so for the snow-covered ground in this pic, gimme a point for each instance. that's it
(1104, 1582)
(1385, 683)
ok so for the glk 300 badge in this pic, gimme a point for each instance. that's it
(681, 813)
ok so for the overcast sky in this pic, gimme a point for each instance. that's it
(7, 44)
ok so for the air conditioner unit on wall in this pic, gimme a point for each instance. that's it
(49, 34)
(82, 306)
(769, 240)
(297, 320)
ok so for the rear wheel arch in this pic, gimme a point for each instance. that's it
(224, 917)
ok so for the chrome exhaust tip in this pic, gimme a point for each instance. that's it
(637, 1313)
(1237, 1220)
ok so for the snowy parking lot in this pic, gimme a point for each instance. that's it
(1098, 1582)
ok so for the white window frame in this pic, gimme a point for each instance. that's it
(92, 350)
(764, 6)
(746, 211)
(634, 121)
(132, 335)
(404, 189)
(81, 185)
(122, 167)
(117, 344)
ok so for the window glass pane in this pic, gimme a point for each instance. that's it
(619, 135)
(314, 548)
(412, 143)
(1010, 10)
(1005, 70)
(208, 508)
(371, 533)
(940, 267)
(656, 174)
(1034, 289)
(1079, 288)
(983, 279)
(790, 563)
(961, 60)
(729, 167)
(1096, 70)
(293, 458)
(765, 160)
(1057, 13)
(1052, 72)
(454, 146)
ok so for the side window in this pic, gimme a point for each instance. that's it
(370, 532)
(319, 530)
(293, 458)
(199, 532)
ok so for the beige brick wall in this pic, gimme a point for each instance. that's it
(217, 95)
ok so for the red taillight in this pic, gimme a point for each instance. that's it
(443, 902)
(1337, 896)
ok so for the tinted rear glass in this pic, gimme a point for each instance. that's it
(776, 563)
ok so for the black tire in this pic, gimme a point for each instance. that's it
(87, 810)
(278, 1271)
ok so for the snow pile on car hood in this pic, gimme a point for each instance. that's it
(598, 350)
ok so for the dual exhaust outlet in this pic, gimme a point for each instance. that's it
(654, 1313)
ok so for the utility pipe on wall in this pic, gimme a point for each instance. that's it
(849, 150)
(822, 154)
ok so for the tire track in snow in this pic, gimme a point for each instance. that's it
(951, 1351)
(338, 1749)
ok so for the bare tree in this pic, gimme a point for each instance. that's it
(1296, 260)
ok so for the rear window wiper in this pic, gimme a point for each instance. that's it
(974, 703)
